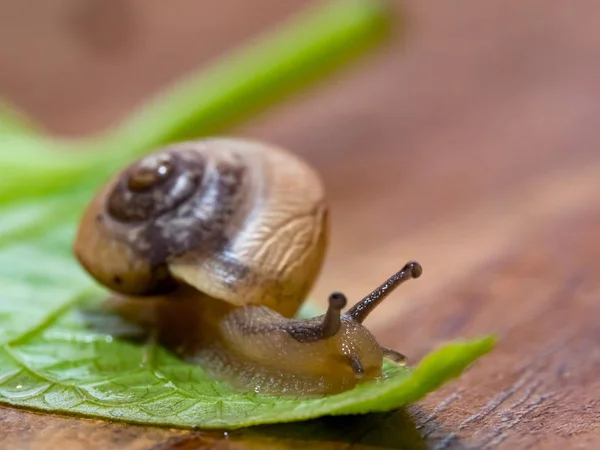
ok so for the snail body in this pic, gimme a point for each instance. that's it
(229, 236)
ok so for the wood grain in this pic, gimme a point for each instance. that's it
(471, 145)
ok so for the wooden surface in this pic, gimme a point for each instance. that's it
(472, 146)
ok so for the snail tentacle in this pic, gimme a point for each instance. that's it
(362, 309)
(395, 356)
(331, 321)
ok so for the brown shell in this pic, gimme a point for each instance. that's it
(240, 221)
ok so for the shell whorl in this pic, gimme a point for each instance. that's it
(191, 208)
(240, 221)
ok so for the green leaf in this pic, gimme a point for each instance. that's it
(52, 360)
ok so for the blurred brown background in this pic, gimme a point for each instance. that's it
(471, 143)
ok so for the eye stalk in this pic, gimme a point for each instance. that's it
(332, 321)
(328, 325)
(362, 309)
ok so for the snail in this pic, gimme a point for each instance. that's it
(238, 230)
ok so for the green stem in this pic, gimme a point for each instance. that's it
(292, 56)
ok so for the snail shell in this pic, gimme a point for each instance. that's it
(240, 221)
